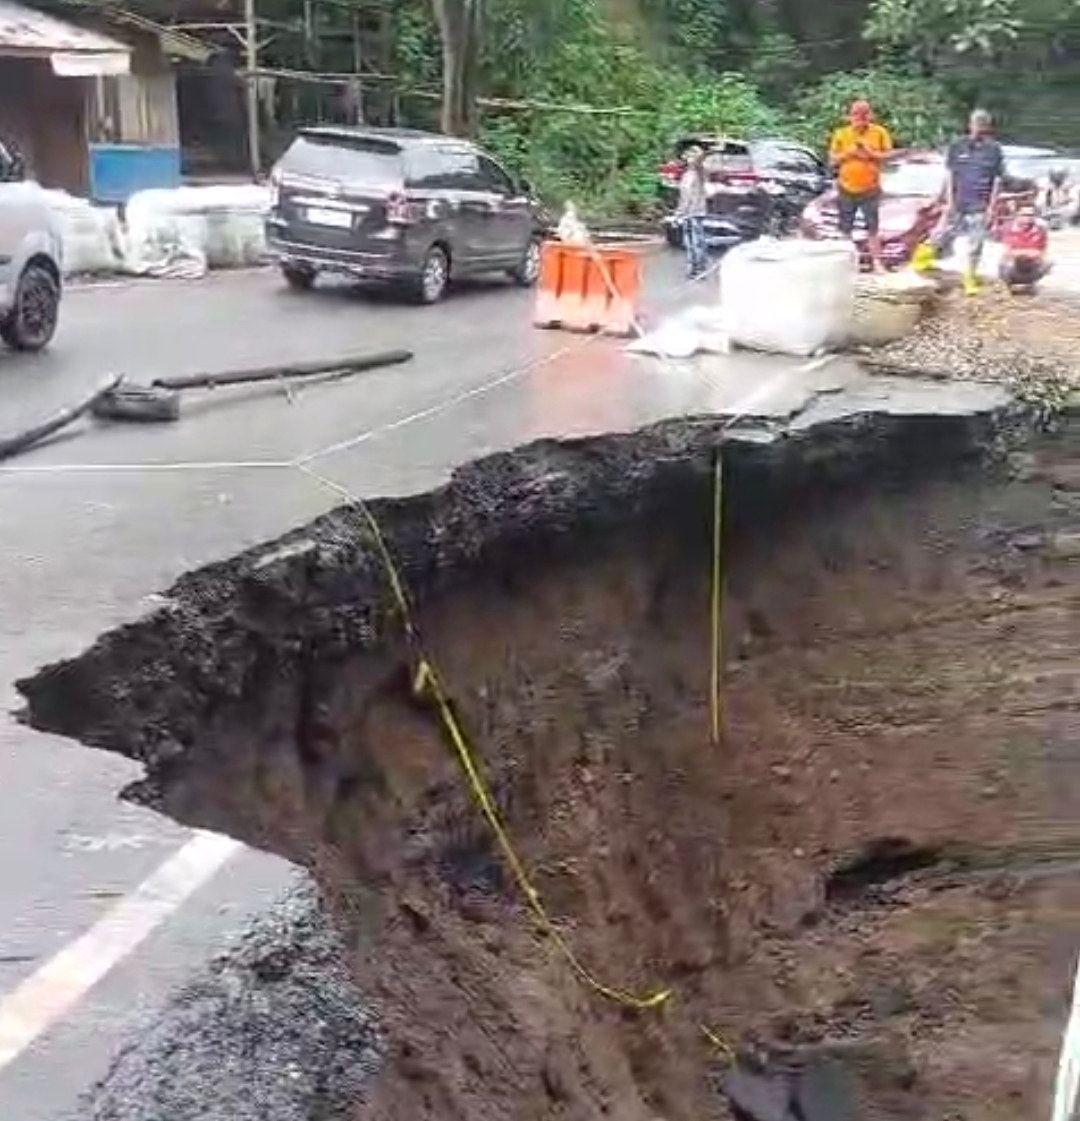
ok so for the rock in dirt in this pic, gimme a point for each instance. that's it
(273, 1030)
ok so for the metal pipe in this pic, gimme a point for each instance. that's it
(251, 50)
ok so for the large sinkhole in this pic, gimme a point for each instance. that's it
(877, 860)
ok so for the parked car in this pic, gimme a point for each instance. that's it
(31, 258)
(755, 188)
(913, 190)
(412, 209)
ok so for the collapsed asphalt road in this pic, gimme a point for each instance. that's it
(896, 609)
(96, 524)
(99, 520)
(83, 549)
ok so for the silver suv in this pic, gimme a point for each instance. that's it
(31, 258)
(410, 208)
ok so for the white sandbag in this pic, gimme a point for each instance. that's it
(235, 230)
(159, 235)
(789, 297)
(222, 227)
(90, 235)
(696, 330)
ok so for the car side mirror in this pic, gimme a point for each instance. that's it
(525, 187)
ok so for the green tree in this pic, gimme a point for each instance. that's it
(459, 23)
(917, 111)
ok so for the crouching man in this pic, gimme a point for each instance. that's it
(1024, 261)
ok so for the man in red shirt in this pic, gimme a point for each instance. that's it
(1024, 262)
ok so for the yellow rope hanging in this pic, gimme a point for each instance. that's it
(716, 606)
(427, 682)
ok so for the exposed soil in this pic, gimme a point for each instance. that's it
(878, 861)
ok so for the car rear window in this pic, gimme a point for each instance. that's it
(731, 159)
(366, 160)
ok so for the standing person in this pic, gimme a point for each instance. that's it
(856, 152)
(975, 164)
(691, 210)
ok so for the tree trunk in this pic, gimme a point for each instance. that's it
(459, 30)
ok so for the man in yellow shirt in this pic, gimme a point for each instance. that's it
(856, 153)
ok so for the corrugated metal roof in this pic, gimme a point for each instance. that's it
(175, 44)
(25, 31)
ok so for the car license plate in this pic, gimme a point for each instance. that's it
(324, 216)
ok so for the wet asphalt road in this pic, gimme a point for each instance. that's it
(95, 522)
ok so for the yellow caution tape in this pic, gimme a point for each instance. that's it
(427, 681)
(716, 596)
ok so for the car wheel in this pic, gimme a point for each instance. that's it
(527, 273)
(31, 323)
(430, 286)
(673, 233)
(298, 278)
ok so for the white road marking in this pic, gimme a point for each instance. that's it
(50, 993)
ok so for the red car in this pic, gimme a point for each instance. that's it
(912, 195)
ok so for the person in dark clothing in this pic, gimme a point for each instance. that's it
(975, 165)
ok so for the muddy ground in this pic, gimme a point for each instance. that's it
(877, 861)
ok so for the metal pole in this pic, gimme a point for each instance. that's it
(251, 44)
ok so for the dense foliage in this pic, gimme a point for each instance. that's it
(748, 67)
(667, 66)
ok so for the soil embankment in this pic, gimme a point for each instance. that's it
(879, 860)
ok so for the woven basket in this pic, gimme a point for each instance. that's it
(884, 313)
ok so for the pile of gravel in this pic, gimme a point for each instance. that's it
(274, 1029)
(1030, 347)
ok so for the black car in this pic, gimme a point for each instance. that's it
(411, 208)
(755, 187)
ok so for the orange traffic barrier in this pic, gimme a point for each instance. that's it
(588, 288)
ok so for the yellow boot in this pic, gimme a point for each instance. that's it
(924, 258)
(971, 283)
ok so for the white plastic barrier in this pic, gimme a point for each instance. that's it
(91, 235)
(789, 297)
(190, 229)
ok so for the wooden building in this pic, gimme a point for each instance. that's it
(93, 108)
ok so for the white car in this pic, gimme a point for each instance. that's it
(31, 258)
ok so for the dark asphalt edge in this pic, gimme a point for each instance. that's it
(272, 1028)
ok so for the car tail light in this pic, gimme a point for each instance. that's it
(401, 212)
(671, 173)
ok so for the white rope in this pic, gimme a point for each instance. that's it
(143, 468)
(305, 458)
(1067, 1084)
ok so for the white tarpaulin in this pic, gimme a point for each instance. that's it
(697, 330)
(185, 231)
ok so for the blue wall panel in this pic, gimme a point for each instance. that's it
(117, 171)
